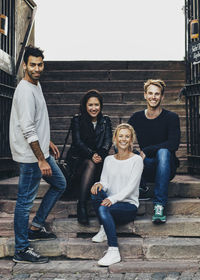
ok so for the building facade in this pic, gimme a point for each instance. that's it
(16, 30)
(192, 88)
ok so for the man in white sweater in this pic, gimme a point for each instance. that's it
(30, 144)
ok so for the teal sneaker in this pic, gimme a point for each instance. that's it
(158, 216)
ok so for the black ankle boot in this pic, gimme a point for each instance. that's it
(82, 213)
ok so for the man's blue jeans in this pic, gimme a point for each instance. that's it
(119, 213)
(29, 180)
(160, 170)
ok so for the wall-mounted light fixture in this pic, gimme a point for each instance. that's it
(194, 29)
(3, 24)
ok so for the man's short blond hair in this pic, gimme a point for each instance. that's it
(159, 83)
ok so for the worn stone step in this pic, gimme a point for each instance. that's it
(7, 222)
(130, 248)
(184, 186)
(68, 269)
(67, 75)
(71, 98)
(71, 86)
(76, 248)
(7, 225)
(139, 93)
(158, 266)
(62, 268)
(61, 208)
(181, 153)
(176, 226)
(183, 219)
(8, 188)
(87, 269)
(137, 248)
(63, 123)
(183, 206)
(186, 208)
(117, 65)
(169, 98)
(115, 109)
(183, 168)
(58, 136)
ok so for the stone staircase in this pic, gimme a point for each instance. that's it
(144, 246)
(140, 242)
(121, 84)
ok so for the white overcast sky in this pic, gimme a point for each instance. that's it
(111, 29)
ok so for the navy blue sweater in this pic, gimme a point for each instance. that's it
(154, 134)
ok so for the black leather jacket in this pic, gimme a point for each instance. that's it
(83, 146)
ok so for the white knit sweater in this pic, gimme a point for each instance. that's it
(121, 179)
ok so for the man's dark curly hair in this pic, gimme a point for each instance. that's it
(32, 51)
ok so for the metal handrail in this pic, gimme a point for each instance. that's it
(7, 86)
(31, 3)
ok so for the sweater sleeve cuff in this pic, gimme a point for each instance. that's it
(32, 139)
(113, 201)
(90, 154)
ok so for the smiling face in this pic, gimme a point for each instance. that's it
(124, 139)
(153, 96)
(93, 107)
(33, 69)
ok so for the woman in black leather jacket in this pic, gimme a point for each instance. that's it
(91, 142)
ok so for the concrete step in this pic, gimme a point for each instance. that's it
(114, 65)
(130, 248)
(75, 86)
(67, 75)
(183, 186)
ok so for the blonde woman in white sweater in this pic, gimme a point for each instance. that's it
(115, 197)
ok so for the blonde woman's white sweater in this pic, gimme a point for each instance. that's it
(121, 178)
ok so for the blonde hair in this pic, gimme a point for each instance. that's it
(124, 126)
(159, 83)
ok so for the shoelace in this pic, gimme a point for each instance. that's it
(159, 209)
(31, 252)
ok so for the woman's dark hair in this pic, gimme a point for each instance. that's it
(32, 51)
(86, 97)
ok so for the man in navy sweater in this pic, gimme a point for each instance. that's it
(158, 134)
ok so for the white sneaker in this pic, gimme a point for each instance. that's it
(112, 256)
(100, 236)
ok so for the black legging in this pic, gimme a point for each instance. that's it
(88, 172)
